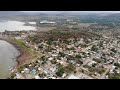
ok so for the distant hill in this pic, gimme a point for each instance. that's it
(85, 15)
(18, 13)
(10, 13)
(58, 13)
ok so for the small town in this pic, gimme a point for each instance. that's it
(72, 58)
(58, 45)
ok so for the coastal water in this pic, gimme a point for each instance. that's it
(14, 26)
(8, 54)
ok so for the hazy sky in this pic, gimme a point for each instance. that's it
(74, 11)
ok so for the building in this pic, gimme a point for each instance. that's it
(73, 77)
(47, 22)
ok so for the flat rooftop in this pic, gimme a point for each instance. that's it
(73, 77)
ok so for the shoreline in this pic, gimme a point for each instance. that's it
(22, 58)
(20, 50)
(18, 58)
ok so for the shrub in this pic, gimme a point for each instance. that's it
(113, 50)
(97, 60)
(116, 76)
(93, 65)
(94, 48)
(61, 54)
(40, 47)
(117, 64)
(60, 72)
(78, 56)
(69, 68)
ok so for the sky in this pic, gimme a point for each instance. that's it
(72, 11)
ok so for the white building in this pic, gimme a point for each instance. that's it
(32, 22)
(73, 77)
(47, 22)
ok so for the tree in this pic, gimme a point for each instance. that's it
(93, 65)
(113, 50)
(101, 44)
(100, 70)
(97, 60)
(61, 54)
(117, 64)
(116, 67)
(60, 72)
(40, 47)
(49, 42)
(79, 61)
(116, 76)
(75, 71)
(69, 68)
(82, 71)
(94, 48)
(53, 62)
(70, 57)
(78, 56)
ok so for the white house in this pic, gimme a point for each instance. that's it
(73, 77)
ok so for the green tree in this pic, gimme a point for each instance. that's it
(78, 56)
(113, 50)
(116, 76)
(60, 72)
(61, 54)
(69, 68)
(93, 65)
(117, 64)
(94, 48)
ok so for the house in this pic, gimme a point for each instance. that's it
(52, 69)
(26, 70)
(19, 76)
(54, 55)
(46, 22)
(45, 78)
(91, 63)
(84, 76)
(37, 77)
(64, 75)
(32, 22)
(51, 58)
(17, 37)
(73, 77)
(53, 77)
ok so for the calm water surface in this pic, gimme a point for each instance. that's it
(14, 26)
(8, 54)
